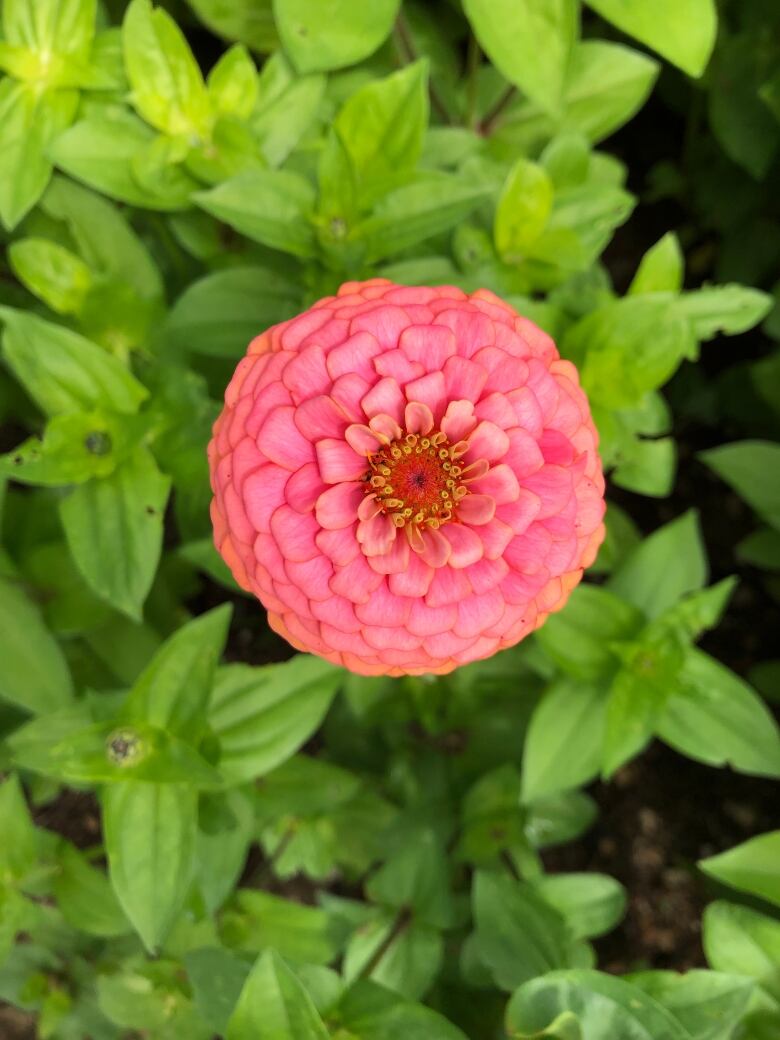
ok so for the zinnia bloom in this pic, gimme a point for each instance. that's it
(407, 478)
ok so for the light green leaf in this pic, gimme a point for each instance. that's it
(412, 959)
(232, 83)
(750, 468)
(564, 741)
(63, 28)
(258, 921)
(263, 715)
(64, 372)
(529, 41)
(287, 106)
(647, 466)
(33, 672)
(661, 268)
(743, 941)
(226, 829)
(150, 842)
(725, 309)
(114, 529)
(274, 1006)
(85, 897)
(523, 209)
(416, 878)
(753, 866)
(19, 849)
(247, 21)
(270, 206)
(682, 33)
(718, 719)
(174, 690)
(663, 567)
(381, 127)
(167, 84)
(708, 1004)
(55, 274)
(591, 904)
(371, 1012)
(219, 314)
(343, 32)
(217, 978)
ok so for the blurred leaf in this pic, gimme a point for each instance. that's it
(258, 921)
(53, 273)
(411, 960)
(565, 737)
(247, 21)
(684, 34)
(523, 209)
(19, 851)
(217, 978)
(232, 83)
(351, 32)
(753, 866)
(34, 674)
(288, 104)
(270, 206)
(85, 897)
(64, 372)
(647, 466)
(273, 1005)
(743, 941)
(558, 818)
(416, 878)
(717, 718)
(262, 715)
(114, 528)
(666, 565)
(725, 309)
(707, 1004)
(226, 829)
(150, 842)
(661, 268)
(591, 904)
(219, 314)
(371, 1012)
(747, 467)
(529, 41)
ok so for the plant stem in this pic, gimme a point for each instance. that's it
(472, 68)
(405, 45)
(402, 921)
(488, 123)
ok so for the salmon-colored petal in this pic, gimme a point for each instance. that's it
(338, 506)
(338, 461)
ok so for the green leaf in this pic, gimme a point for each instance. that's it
(30, 119)
(411, 961)
(232, 83)
(219, 314)
(217, 978)
(431, 204)
(258, 921)
(262, 715)
(519, 935)
(647, 466)
(381, 128)
(559, 818)
(85, 897)
(371, 1012)
(682, 33)
(708, 1004)
(114, 528)
(416, 878)
(19, 850)
(606, 1007)
(270, 206)
(226, 829)
(167, 84)
(698, 611)
(523, 209)
(578, 638)
(64, 372)
(247, 21)
(743, 941)
(348, 33)
(663, 567)
(174, 690)
(34, 672)
(753, 866)
(661, 268)
(274, 1006)
(287, 106)
(564, 741)
(57, 28)
(761, 549)
(748, 467)
(591, 904)
(718, 719)
(529, 41)
(150, 841)
(725, 309)
(60, 278)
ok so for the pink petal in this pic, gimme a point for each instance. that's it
(385, 322)
(355, 581)
(528, 411)
(544, 387)
(304, 488)
(355, 355)
(263, 493)
(556, 448)
(500, 483)
(427, 621)
(486, 574)
(384, 608)
(348, 391)
(395, 560)
(338, 462)
(339, 545)
(384, 638)
(369, 507)
(495, 536)
(446, 645)
(487, 441)
(472, 329)
(418, 418)
(362, 439)
(476, 509)
(458, 421)
(384, 398)
(307, 375)
(463, 379)
(415, 580)
(497, 408)
(448, 586)
(338, 612)
(321, 417)
(431, 345)
(385, 427)
(477, 613)
(398, 366)
(312, 576)
(293, 332)
(377, 534)
(553, 485)
(524, 455)
(282, 442)
(294, 533)
(521, 513)
(528, 552)
(435, 547)
(337, 507)
(429, 390)
(465, 543)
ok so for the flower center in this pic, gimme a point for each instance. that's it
(416, 479)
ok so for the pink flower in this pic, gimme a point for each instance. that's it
(407, 478)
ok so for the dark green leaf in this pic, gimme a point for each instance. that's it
(750, 468)
(351, 31)
(753, 866)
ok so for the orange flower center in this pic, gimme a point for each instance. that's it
(416, 480)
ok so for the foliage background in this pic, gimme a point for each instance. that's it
(203, 835)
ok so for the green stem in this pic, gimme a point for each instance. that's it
(472, 69)
(406, 49)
